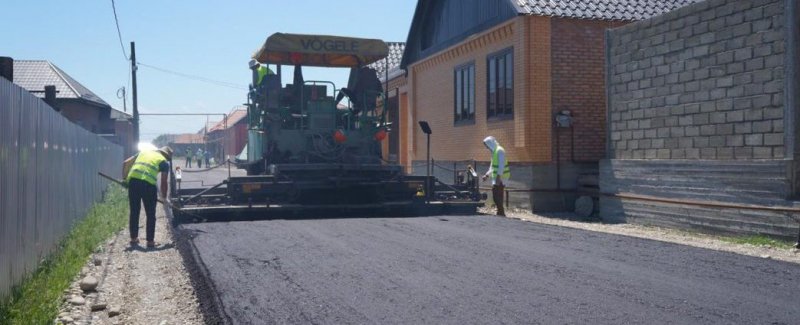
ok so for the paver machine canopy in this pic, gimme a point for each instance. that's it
(320, 50)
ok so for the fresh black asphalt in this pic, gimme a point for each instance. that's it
(476, 270)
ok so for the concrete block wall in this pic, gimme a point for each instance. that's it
(702, 82)
(702, 106)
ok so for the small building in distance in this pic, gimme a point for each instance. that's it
(228, 137)
(180, 142)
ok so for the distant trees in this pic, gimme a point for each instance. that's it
(162, 140)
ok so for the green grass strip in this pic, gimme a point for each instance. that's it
(759, 240)
(37, 299)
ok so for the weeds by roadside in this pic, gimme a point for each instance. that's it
(36, 300)
(759, 240)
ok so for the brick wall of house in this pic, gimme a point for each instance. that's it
(397, 85)
(527, 136)
(579, 86)
(86, 116)
(124, 133)
(702, 83)
(396, 82)
(535, 95)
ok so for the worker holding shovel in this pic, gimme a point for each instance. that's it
(141, 172)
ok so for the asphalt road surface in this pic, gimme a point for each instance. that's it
(478, 270)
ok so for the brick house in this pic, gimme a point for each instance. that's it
(123, 132)
(74, 101)
(389, 69)
(229, 137)
(508, 68)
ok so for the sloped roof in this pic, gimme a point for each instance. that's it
(207, 128)
(237, 114)
(611, 10)
(118, 115)
(34, 75)
(628, 10)
(187, 138)
(396, 50)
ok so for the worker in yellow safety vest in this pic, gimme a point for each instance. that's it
(142, 179)
(498, 171)
(263, 71)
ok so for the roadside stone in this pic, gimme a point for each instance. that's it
(77, 301)
(98, 261)
(114, 311)
(66, 320)
(89, 283)
(98, 306)
(766, 256)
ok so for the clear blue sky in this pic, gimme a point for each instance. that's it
(213, 39)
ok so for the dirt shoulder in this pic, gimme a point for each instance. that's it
(136, 285)
(660, 234)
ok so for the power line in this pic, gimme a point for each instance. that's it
(119, 34)
(196, 78)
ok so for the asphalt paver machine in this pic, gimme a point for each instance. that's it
(313, 146)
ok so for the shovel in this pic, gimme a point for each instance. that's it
(165, 202)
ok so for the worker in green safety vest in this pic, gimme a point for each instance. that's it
(498, 171)
(142, 182)
(263, 71)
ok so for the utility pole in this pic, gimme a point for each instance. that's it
(135, 99)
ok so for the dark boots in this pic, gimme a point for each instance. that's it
(497, 197)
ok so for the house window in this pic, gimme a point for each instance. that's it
(464, 86)
(500, 92)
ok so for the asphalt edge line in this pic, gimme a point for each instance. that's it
(210, 305)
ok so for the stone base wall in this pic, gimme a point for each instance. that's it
(760, 183)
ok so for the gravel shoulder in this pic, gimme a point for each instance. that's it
(136, 285)
(657, 233)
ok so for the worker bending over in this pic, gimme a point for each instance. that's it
(498, 171)
(142, 181)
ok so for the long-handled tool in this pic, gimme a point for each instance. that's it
(165, 202)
